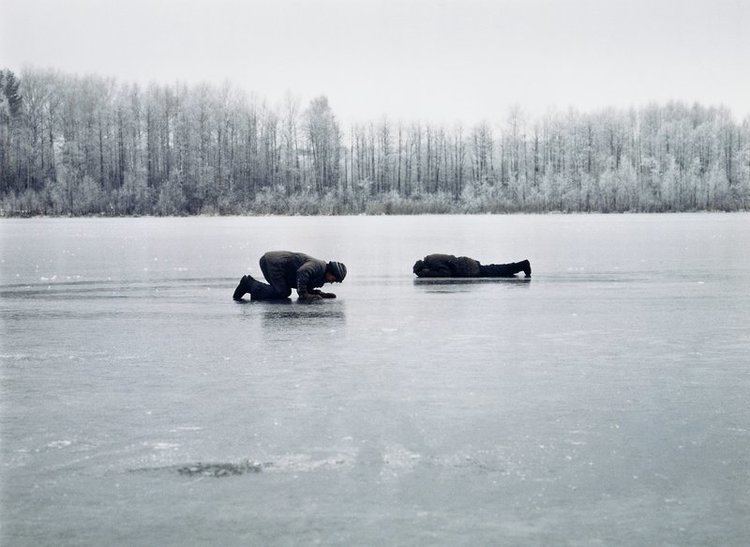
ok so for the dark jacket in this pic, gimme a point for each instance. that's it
(440, 265)
(287, 269)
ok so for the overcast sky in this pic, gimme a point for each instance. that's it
(437, 60)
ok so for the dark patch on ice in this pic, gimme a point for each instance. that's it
(222, 469)
(287, 463)
(203, 469)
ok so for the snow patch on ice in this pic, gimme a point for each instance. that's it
(399, 458)
(158, 445)
(306, 463)
(59, 444)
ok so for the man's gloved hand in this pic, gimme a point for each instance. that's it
(309, 297)
(318, 292)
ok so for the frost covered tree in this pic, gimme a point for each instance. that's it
(323, 140)
(91, 145)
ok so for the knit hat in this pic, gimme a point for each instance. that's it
(337, 269)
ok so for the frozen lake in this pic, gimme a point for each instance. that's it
(604, 401)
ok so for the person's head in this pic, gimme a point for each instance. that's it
(335, 272)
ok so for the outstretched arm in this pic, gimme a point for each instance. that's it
(427, 272)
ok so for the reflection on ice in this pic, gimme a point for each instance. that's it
(471, 280)
(455, 285)
(284, 312)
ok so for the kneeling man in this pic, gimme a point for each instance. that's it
(285, 270)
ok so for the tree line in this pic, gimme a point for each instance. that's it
(82, 145)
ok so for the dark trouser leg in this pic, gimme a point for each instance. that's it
(276, 290)
(502, 270)
(263, 291)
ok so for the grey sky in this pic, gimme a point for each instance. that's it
(438, 60)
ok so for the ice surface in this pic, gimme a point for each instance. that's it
(603, 401)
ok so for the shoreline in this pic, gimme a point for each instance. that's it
(4, 215)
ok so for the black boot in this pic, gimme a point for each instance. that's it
(526, 266)
(243, 287)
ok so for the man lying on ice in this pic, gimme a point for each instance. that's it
(440, 265)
